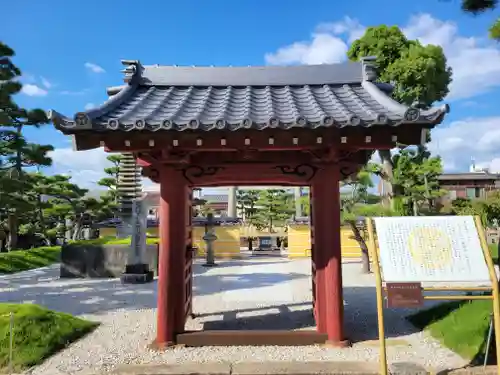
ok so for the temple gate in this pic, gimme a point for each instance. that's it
(215, 126)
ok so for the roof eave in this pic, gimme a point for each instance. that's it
(433, 116)
(67, 125)
(84, 120)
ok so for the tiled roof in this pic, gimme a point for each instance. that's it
(468, 176)
(215, 198)
(181, 98)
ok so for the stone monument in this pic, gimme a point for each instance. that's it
(128, 189)
(137, 270)
(209, 239)
(133, 215)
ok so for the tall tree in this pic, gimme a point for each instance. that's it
(16, 153)
(420, 76)
(111, 179)
(274, 206)
(246, 201)
(354, 206)
(480, 6)
(416, 176)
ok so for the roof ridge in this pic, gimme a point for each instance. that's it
(250, 75)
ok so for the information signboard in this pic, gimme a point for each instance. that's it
(405, 295)
(430, 249)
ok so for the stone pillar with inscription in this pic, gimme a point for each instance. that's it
(137, 270)
(209, 239)
(129, 188)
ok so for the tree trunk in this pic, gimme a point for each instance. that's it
(387, 170)
(12, 224)
(43, 229)
(77, 228)
(415, 208)
(365, 256)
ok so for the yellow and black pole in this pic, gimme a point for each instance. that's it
(372, 247)
(494, 286)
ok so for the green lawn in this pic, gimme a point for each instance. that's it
(117, 241)
(458, 325)
(461, 326)
(494, 252)
(23, 260)
(38, 333)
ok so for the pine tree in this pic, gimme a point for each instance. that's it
(16, 153)
(274, 207)
(112, 174)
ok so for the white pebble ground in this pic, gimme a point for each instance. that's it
(252, 293)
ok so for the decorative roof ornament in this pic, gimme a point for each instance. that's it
(369, 68)
(132, 70)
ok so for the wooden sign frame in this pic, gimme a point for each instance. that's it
(380, 289)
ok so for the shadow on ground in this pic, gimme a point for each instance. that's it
(248, 278)
(94, 296)
(238, 263)
(360, 317)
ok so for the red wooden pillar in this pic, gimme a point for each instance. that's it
(327, 254)
(173, 201)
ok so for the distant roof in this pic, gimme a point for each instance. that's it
(153, 223)
(469, 176)
(215, 198)
(205, 98)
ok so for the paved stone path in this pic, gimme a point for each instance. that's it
(252, 294)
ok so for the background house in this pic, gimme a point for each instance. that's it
(476, 183)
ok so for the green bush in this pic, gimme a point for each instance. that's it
(38, 333)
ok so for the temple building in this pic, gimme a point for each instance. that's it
(191, 127)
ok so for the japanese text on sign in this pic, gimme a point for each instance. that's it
(430, 249)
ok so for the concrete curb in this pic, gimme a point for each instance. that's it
(271, 368)
(291, 368)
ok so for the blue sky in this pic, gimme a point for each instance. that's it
(70, 52)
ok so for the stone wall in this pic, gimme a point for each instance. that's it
(93, 261)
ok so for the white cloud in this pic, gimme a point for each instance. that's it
(472, 138)
(84, 167)
(475, 60)
(46, 83)
(94, 68)
(33, 90)
(349, 27)
(325, 46)
(322, 49)
(89, 106)
(461, 141)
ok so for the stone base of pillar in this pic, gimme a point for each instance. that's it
(338, 344)
(162, 346)
(210, 265)
(137, 274)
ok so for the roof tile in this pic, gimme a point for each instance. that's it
(171, 98)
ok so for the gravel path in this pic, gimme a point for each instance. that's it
(252, 293)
